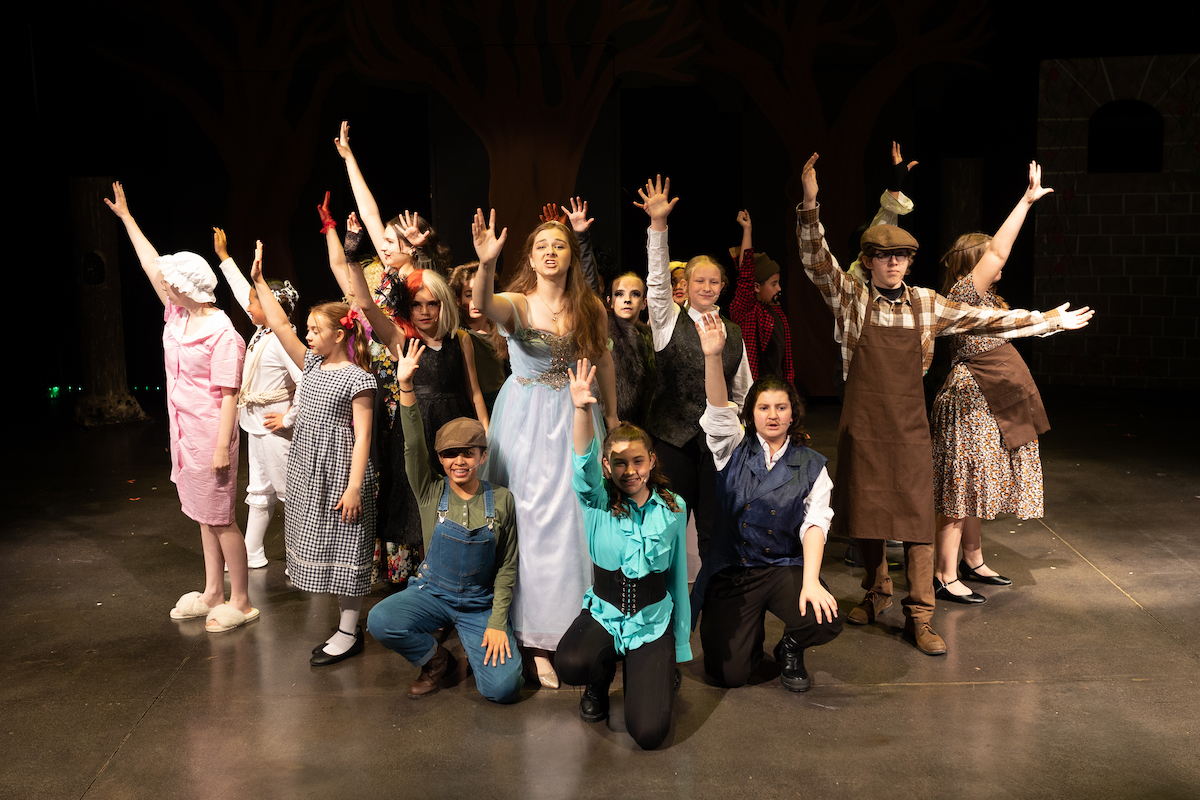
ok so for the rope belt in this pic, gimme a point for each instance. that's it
(263, 398)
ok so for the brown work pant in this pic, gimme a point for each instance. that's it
(918, 567)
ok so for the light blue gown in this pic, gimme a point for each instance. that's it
(530, 449)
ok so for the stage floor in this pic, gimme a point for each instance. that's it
(1082, 679)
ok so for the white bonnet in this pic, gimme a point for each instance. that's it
(190, 274)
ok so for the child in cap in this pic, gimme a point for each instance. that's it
(466, 579)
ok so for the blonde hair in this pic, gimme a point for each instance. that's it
(448, 312)
(703, 261)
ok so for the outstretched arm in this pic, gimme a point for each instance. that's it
(238, 285)
(141, 245)
(582, 224)
(743, 219)
(661, 307)
(712, 343)
(488, 246)
(988, 269)
(381, 324)
(581, 398)
(277, 319)
(368, 210)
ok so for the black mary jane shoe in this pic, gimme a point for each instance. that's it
(990, 580)
(322, 659)
(942, 593)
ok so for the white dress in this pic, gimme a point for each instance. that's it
(530, 446)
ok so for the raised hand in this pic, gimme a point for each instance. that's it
(581, 384)
(411, 232)
(407, 363)
(327, 221)
(655, 200)
(743, 219)
(712, 334)
(342, 142)
(256, 269)
(578, 215)
(1074, 320)
(1035, 191)
(551, 213)
(488, 245)
(118, 204)
(898, 159)
(220, 244)
(352, 223)
(808, 179)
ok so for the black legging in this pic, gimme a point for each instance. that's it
(586, 654)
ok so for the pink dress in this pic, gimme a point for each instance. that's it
(198, 366)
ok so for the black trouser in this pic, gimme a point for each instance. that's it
(586, 654)
(693, 477)
(735, 607)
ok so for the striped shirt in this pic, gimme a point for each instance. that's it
(924, 309)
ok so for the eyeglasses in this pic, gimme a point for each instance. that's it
(884, 258)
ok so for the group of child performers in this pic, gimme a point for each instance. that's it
(590, 453)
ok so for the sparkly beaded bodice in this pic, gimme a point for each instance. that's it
(541, 357)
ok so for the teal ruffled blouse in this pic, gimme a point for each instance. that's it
(650, 539)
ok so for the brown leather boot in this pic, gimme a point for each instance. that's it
(430, 679)
(871, 606)
(926, 640)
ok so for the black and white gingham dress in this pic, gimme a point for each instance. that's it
(325, 554)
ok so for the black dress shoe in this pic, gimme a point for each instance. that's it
(323, 659)
(790, 657)
(972, 575)
(942, 593)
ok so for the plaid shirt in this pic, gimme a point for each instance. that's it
(924, 309)
(756, 320)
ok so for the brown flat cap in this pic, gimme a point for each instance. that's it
(887, 237)
(461, 432)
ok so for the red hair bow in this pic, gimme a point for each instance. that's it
(348, 320)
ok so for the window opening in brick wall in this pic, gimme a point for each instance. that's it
(1125, 136)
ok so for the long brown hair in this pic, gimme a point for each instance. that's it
(356, 336)
(586, 310)
(773, 383)
(962, 257)
(657, 482)
(460, 279)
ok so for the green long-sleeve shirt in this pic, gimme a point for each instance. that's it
(469, 513)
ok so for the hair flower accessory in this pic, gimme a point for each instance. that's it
(348, 321)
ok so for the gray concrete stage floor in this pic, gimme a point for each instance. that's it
(1080, 680)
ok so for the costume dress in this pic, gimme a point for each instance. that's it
(325, 554)
(974, 473)
(647, 546)
(442, 396)
(198, 366)
(529, 451)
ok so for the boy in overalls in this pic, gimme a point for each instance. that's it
(466, 579)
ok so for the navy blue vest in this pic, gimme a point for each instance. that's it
(759, 512)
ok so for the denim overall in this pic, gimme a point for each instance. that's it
(453, 586)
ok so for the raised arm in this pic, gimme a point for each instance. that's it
(743, 219)
(382, 325)
(582, 224)
(662, 309)
(988, 269)
(488, 246)
(336, 251)
(468, 359)
(141, 245)
(712, 344)
(900, 171)
(277, 319)
(581, 398)
(368, 210)
(834, 285)
(229, 268)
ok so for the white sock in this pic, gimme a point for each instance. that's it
(341, 641)
(256, 529)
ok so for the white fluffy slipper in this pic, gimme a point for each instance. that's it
(189, 607)
(227, 618)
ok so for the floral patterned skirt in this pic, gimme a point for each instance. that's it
(974, 474)
(395, 563)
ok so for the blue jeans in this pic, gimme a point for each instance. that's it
(405, 622)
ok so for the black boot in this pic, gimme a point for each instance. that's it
(593, 706)
(790, 656)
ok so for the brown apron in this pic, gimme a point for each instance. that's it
(1011, 394)
(884, 484)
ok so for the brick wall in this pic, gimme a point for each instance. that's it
(1127, 244)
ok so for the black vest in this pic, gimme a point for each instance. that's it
(679, 398)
